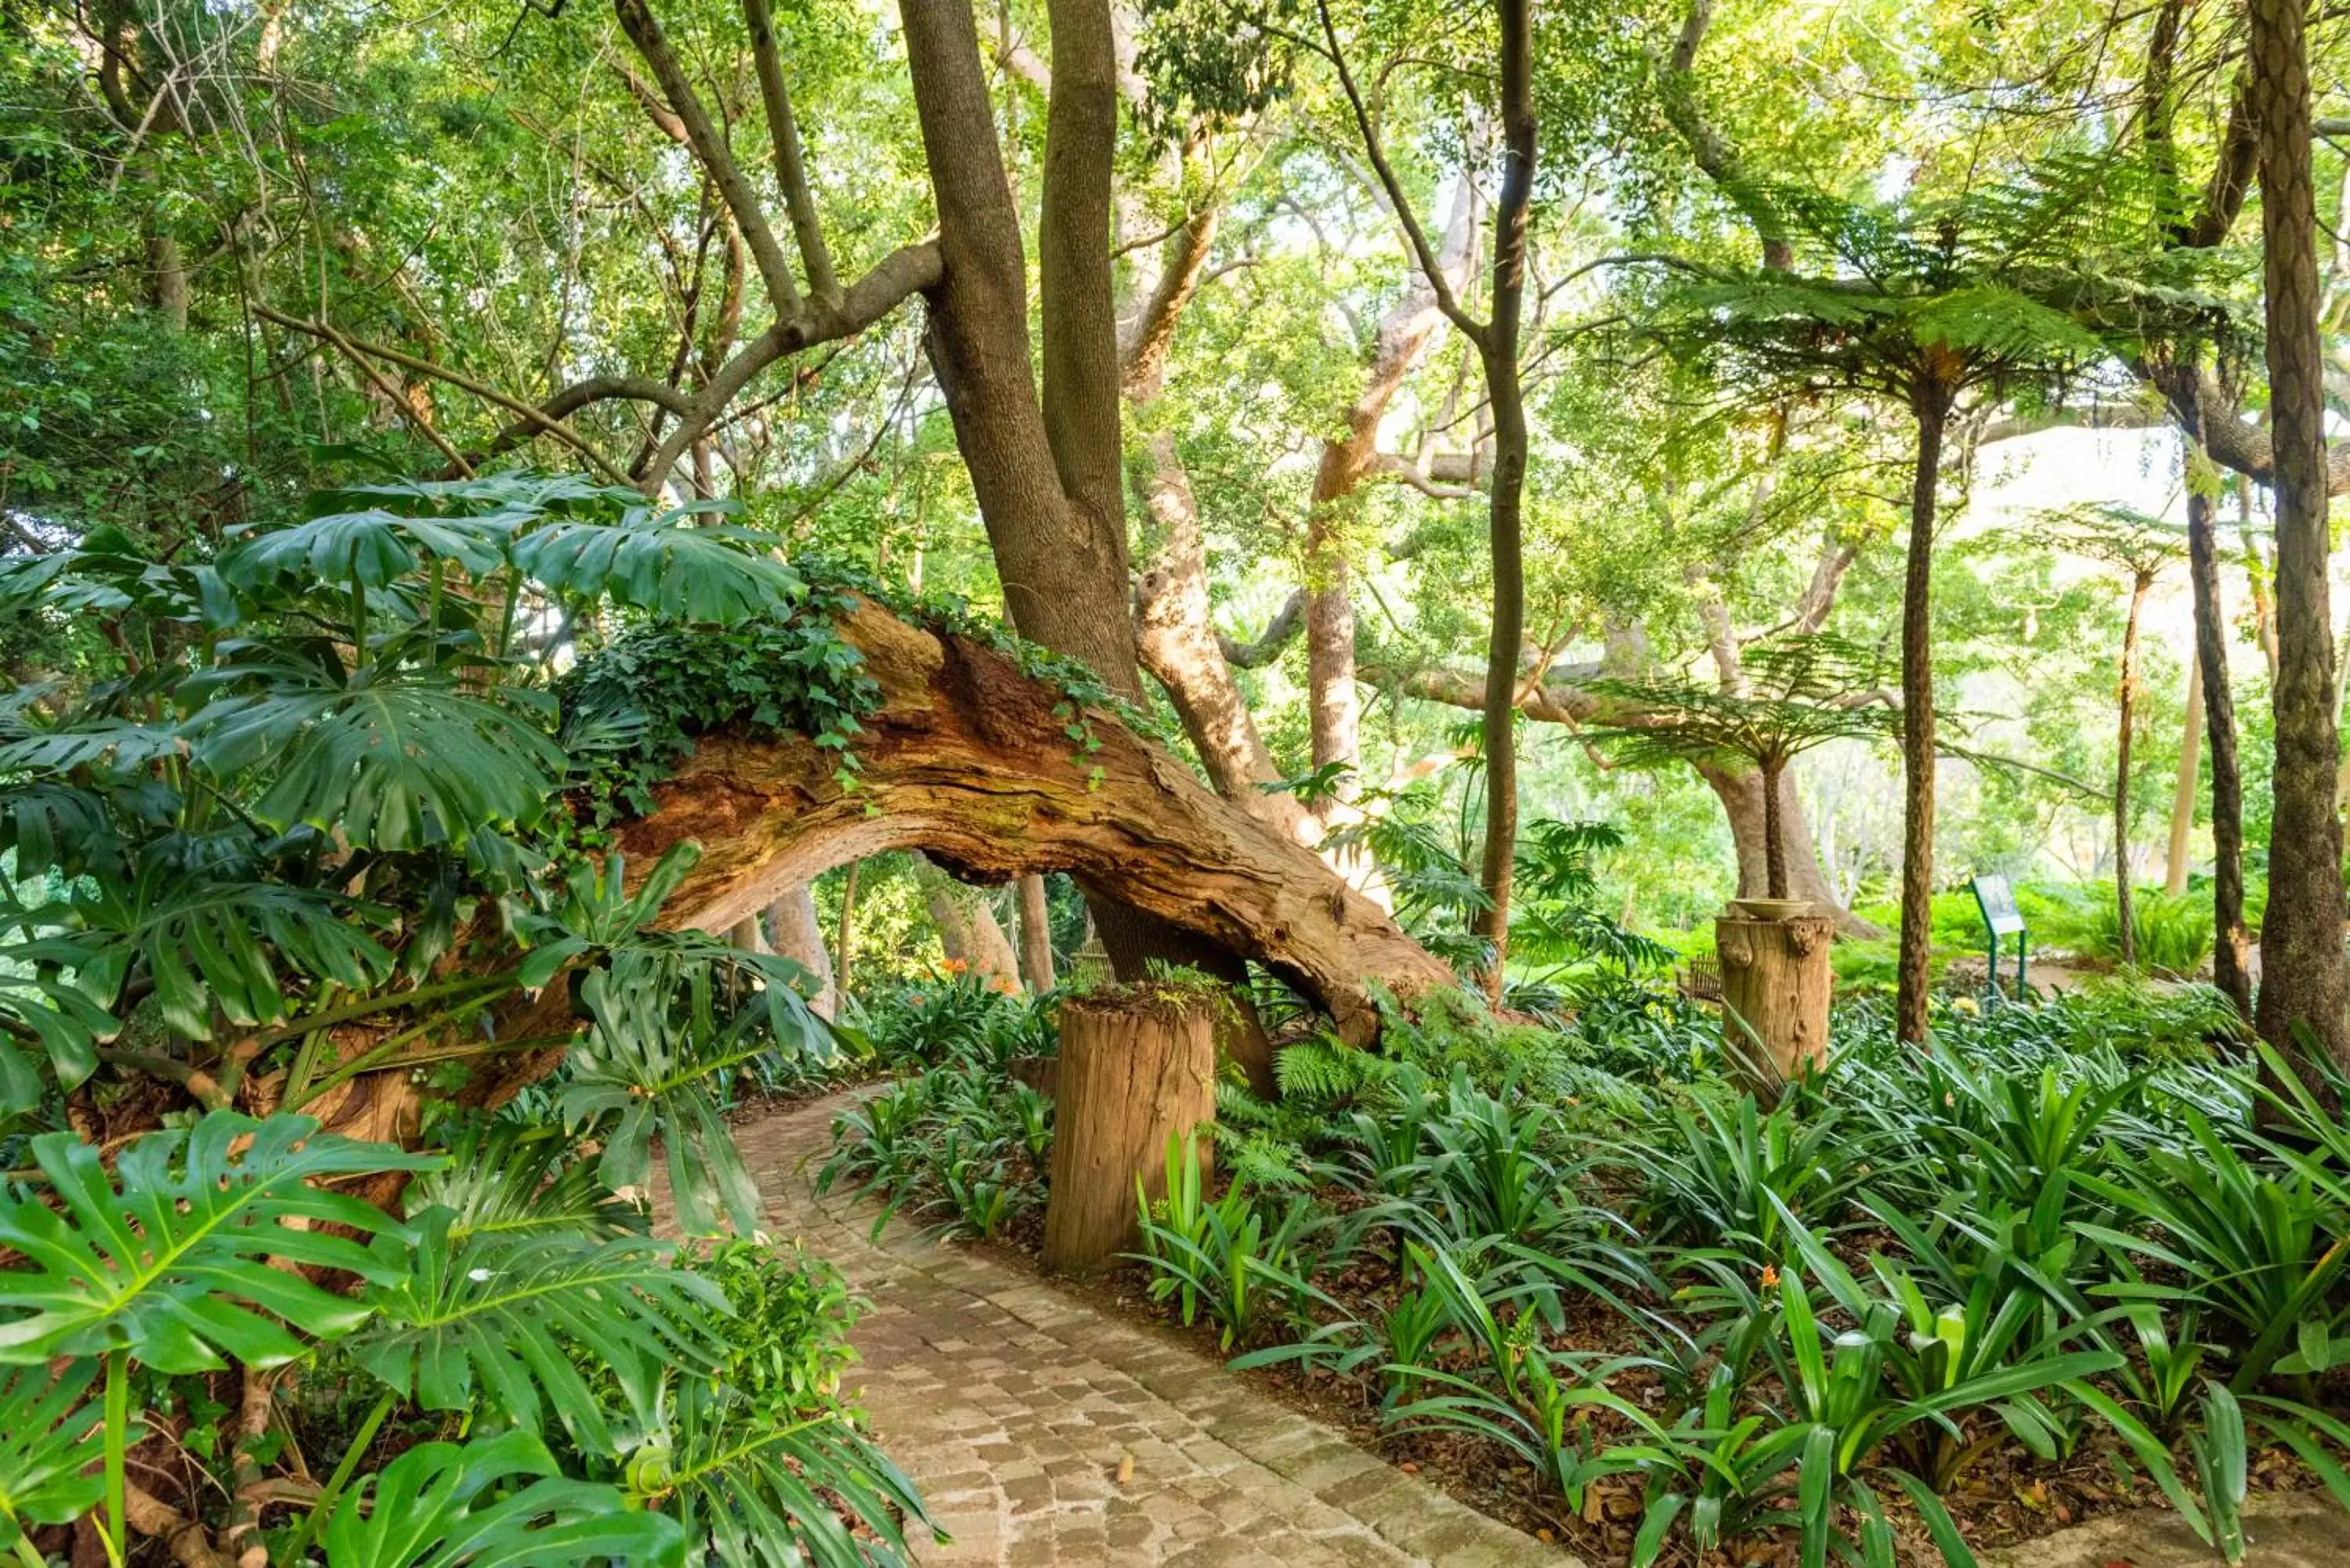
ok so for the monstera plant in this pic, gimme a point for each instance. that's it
(305, 827)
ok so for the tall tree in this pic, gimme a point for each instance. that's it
(2304, 979)
(1497, 338)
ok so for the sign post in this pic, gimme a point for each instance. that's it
(1996, 899)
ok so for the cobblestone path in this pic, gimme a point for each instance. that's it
(1013, 1405)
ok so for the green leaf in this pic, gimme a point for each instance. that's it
(50, 1443)
(401, 762)
(441, 1506)
(170, 1258)
(662, 563)
(371, 547)
(745, 1480)
(508, 1320)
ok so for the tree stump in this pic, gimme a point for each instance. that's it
(1775, 981)
(1138, 1067)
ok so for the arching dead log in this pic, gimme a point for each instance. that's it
(967, 760)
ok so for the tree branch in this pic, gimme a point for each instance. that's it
(1423, 252)
(710, 151)
(1266, 645)
(791, 172)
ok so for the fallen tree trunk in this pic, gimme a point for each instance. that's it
(967, 760)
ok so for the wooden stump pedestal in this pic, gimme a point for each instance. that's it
(1136, 1069)
(1775, 977)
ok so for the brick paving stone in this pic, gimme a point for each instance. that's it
(1011, 1405)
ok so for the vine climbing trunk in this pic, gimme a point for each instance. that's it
(2303, 981)
(1930, 401)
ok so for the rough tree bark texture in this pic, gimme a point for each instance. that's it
(1136, 1070)
(2124, 912)
(2303, 980)
(793, 930)
(965, 760)
(1776, 983)
(1035, 935)
(1930, 402)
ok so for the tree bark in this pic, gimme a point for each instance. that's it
(2303, 980)
(1931, 403)
(1404, 336)
(2125, 910)
(2231, 944)
(1177, 640)
(1776, 983)
(1137, 1071)
(1035, 935)
(968, 929)
(2182, 795)
(1505, 395)
(794, 932)
(1740, 795)
(967, 760)
(844, 939)
(1774, 836)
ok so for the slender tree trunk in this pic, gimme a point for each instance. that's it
(1775, 833)
(1035, 934)
(2303, 981)
(843, 939)
(2125, 911)
(1505, 394)
(2231, 945)
(1930, 402)
(2182, 795)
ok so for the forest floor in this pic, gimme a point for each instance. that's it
(1042, 1431)
(1051, 1423)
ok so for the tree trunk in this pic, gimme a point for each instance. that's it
(1930, 402)
(1035, 935)
(2182, 795)
(1137, 1070)
(2125, 911)
(1177, 639)
(2231, 945)
(794, 932)
(1505, 394)
(844, 939)
(967, 760)
(1404, 332)
(1775, 985)
(1775, 836)
(2303, 980)
(1740, 795)
(968, 929)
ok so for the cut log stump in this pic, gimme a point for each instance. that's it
(1138, 1067)
(1776, 983)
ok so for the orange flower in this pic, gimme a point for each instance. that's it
(1770, 1277)
(1007, 985)
(955, 966)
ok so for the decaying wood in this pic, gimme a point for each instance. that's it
(1775, 981)
(967, 760)
(1137, 1071)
